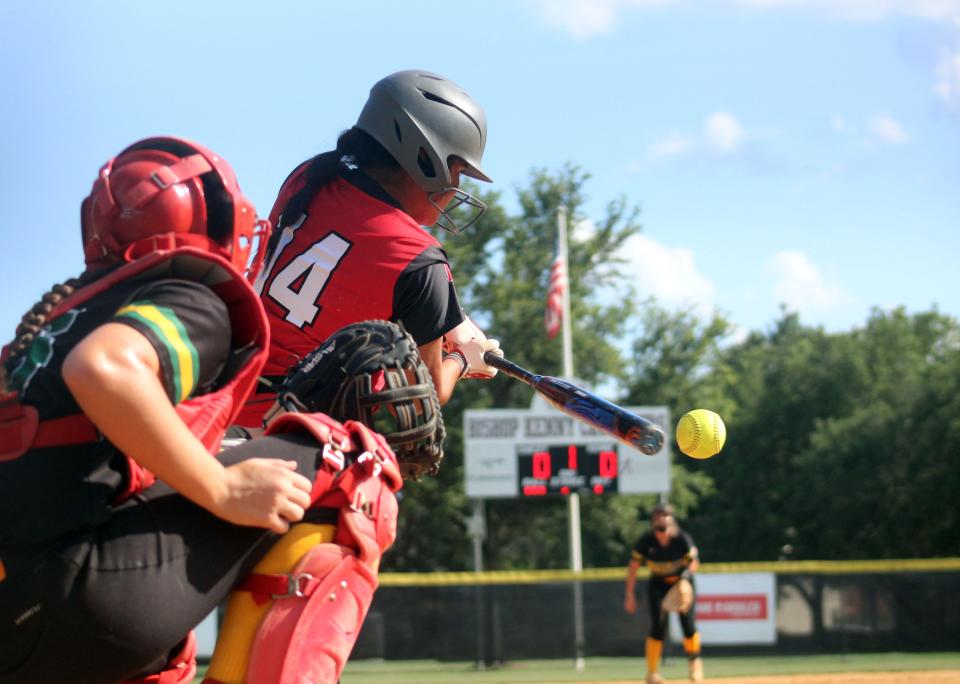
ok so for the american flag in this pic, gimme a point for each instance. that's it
(553, 316)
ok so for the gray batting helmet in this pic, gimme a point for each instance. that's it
(414, 110)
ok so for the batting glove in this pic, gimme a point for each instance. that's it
(473, 352)
(463, 333)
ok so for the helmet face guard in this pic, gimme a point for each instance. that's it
(425, 121)
(460, 199)
(171, 188)
(371, 372)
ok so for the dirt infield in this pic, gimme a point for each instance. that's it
(916, 677)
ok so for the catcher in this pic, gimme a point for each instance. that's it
(119, 532)
(366, 373)
(672, 558)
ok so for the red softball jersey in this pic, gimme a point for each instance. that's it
(353, 256)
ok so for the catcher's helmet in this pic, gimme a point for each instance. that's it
(169, 187)
(371, 372)
(423, 120)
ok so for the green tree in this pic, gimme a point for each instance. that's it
(779, 384)
(502, 266)
(676, 362)
(885, 470)
(839, 445)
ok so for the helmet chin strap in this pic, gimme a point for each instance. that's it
(460, 199)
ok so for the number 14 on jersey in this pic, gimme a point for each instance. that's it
(300, 281)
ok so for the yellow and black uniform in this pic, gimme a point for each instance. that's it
(667, 564)
(83, 576)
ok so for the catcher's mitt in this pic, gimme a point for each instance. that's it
(679, 598)
(371, 372)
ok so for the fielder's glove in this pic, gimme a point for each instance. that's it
(679, 599)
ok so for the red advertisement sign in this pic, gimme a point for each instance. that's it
(732, 607)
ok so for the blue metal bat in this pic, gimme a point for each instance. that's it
(628, 428)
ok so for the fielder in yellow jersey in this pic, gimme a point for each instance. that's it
(672, 558)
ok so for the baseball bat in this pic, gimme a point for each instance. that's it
(610, 419)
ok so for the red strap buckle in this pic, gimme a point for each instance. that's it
(297, 586)
(266, 587)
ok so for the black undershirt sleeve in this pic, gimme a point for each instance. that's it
(424, 298)
(188, 326)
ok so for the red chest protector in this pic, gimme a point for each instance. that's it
(207, 415)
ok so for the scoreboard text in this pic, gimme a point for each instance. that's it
(567, 468)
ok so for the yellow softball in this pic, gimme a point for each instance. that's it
(701, 433)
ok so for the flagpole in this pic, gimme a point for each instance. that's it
(573, 499)
(567, 337)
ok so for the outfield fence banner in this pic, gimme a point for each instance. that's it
(768, 608)
(809, 606)
(734, 608)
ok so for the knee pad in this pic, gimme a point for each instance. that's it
(319, 596)
(245, 610)
(181, 669)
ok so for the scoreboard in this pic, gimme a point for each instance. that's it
(567, 468)
(542, 452)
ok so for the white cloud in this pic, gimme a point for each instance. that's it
(723, 132)
(888, 130)
(584, 19)
(799, 284)
(669, 274)
(938, 10)
(948, 79)
(673, 145)
(583, 230)
(880, 128)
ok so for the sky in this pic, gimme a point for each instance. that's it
(784, 153)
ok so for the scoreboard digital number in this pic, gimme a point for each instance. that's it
(567, 468)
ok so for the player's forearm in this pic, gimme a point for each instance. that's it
(631, 581)
(445, 372)
(450, 373)
(693, 562)
(117, 387)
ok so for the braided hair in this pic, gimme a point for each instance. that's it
(33, 321)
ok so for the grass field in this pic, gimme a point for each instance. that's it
(632, 669)
(943, 668)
